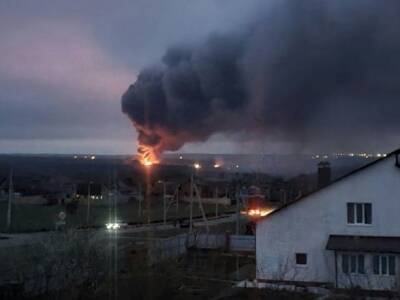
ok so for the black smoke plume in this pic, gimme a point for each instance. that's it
(313, 72)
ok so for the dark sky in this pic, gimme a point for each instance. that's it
(65, 64)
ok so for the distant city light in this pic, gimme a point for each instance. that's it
(197, 166)
(216, 166)
(360, 154)
(93, 157)
(180, 157)
(75, 156)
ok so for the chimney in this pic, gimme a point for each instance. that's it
(324, 174)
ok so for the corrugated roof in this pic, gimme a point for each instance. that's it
(397, 151)
(364, 243)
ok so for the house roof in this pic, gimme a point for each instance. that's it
(364, 243)
(397, 151)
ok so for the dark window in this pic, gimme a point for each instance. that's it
(345, 264)
(360, 264)
(368, 213)
(301, 258)
(384, 264)
(392, 265)
(350, 213)
(359, 213)
(353, 264)
(375, 262)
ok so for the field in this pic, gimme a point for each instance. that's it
(30, 218)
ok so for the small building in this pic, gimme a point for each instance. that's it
(344, 235)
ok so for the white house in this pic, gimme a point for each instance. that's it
(346, 234)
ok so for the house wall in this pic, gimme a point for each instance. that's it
(304, 227)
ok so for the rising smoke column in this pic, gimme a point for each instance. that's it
(195, 92)
(305, 72)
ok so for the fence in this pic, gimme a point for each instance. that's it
(172, 247)
(242, 243)
(167, 248)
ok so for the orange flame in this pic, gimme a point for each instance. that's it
(148, 156)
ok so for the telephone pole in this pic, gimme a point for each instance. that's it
(88, 205)
(10, 198)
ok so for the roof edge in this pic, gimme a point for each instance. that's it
(397, 151)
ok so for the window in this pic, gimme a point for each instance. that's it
(384, 265)
(353, 264)
(301, 258)
(359, 213)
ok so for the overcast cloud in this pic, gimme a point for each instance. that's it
(65, 64)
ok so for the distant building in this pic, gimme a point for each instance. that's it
(344, 235)
(98, 194)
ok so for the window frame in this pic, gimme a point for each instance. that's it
(353, 263)
(384, 263)
(301, 254)
(359, 213)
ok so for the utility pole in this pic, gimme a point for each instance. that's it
(191, 205)
(216, 202)
(88, 205)
(10, 198)
(165, 202)
(198, 195)
(177, 200)
(140, 198)
(237, 197)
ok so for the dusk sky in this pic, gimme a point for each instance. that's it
(64, 66)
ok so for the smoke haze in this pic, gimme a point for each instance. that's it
(308, 73)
